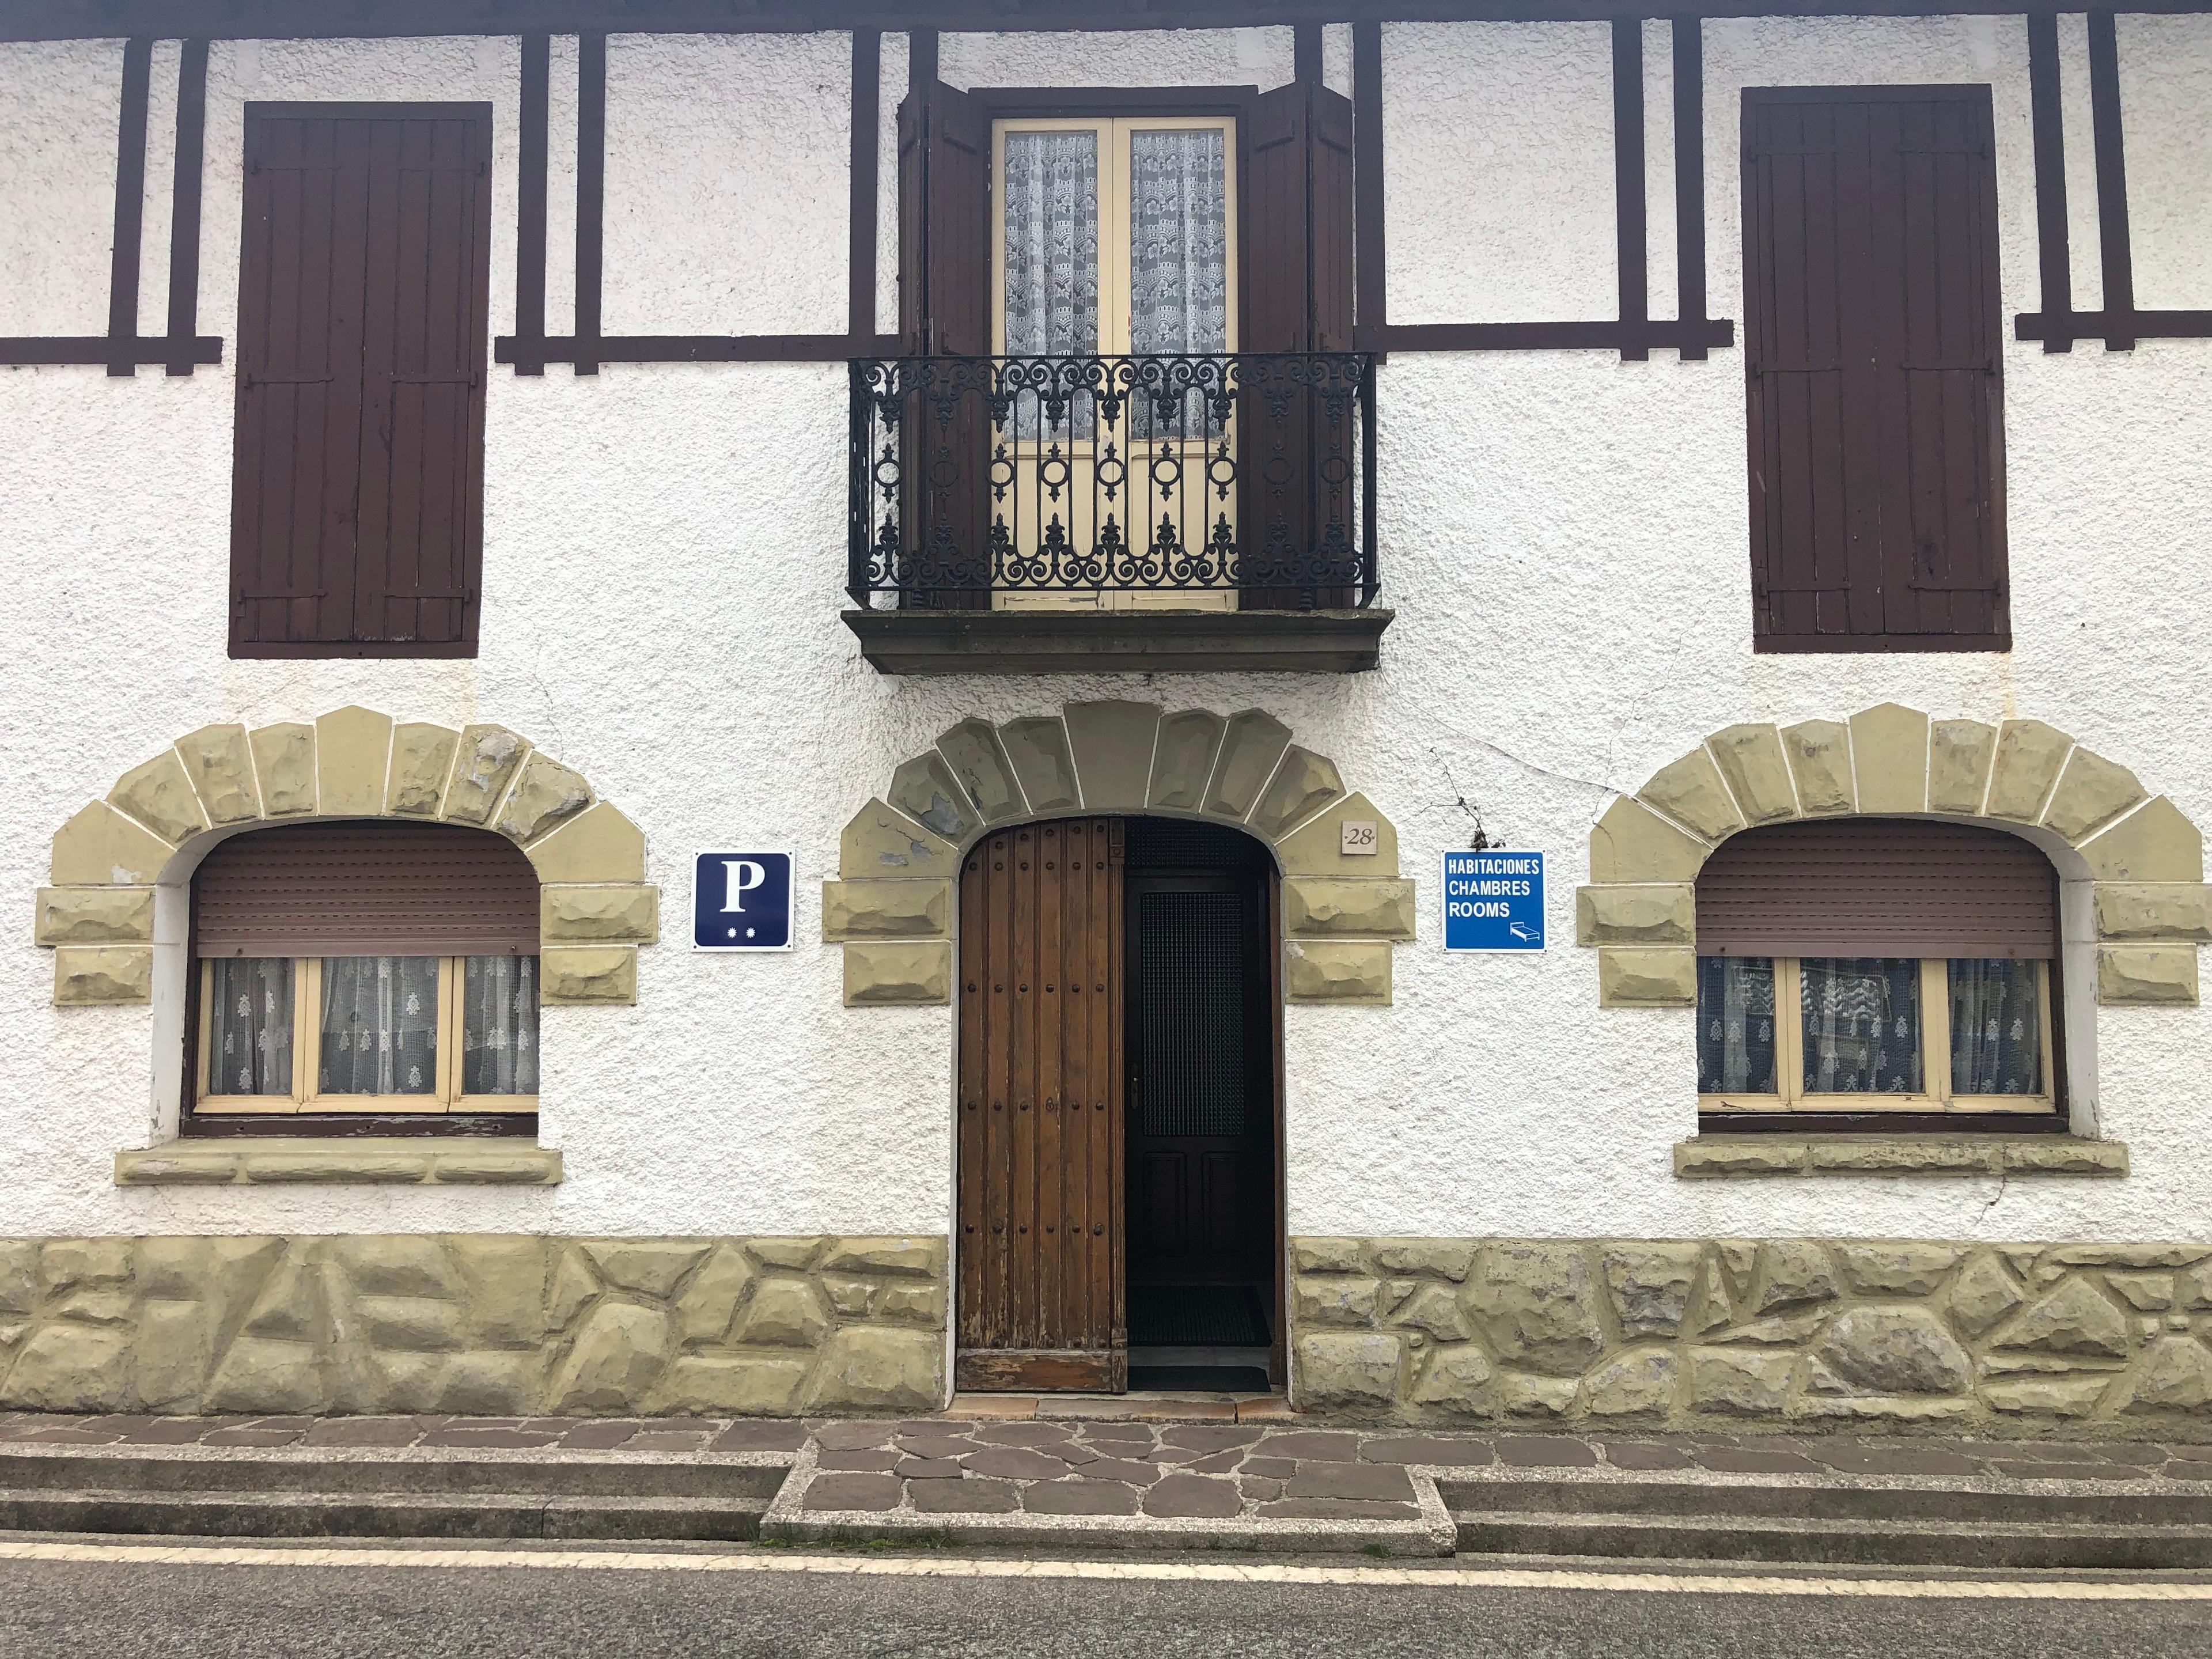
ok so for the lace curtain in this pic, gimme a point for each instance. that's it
(1861, 1024)
(1178, 242)
(379, 1025)
(1735, 1025)
(250, 1026)
(1996, 1027)
(499, 1026)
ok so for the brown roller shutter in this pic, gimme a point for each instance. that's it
(365, 888)
(357, 473)
(1872, 345)
(1877, 887)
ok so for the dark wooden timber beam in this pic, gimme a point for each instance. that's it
(1631, 249)
(130, 206)
(184, 205)
(867, 120)
(1690, 299)
(1370, 275)
(2054, 257)
(529, 207)
(2119, 280)
(591, 196)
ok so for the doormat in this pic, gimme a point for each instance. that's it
(1196, 1316)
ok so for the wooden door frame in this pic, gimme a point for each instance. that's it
(1278, 1373)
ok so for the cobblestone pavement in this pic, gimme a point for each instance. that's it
(1002, 1455)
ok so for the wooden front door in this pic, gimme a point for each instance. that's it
(1040, 1109)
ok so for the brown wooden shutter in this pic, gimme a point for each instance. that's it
(945, 310)
(1040, 1224)
(1297, 227)
(1877, 887)
(1872, 349)
(357, 480)
(365, 888)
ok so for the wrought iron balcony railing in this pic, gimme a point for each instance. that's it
(1236, 482)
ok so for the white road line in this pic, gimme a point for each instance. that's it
(1650, 1583)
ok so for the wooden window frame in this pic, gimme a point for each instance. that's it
(1790, 1098)
(306, 1057)
(1998, 639)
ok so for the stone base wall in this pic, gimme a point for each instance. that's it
(1804, 1334)
(495, 1324)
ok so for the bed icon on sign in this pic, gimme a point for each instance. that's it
(1524, 933)
(741, 902)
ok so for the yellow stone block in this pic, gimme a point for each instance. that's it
(1657, 914)
(487, 759)
(2146, 974)
(1958, 756)
(1632, 843)
(1690, 792)
(87, 974)
(587, 974)
(160, 796)
(878, 975)
(546, 796)
(1036, 748)
(1112, 743)
(599, 845)
(1757, 774)
(2171, 911)
(1317, 848)
(1190, 740)
(1322, 907)
(220, 764)
(1337, 972)
(886, 909)
(422, 760)
(95, 915)
(2029, 754)
(1889, 758)
(1821, 760)
(1303, 783)
(284, 760)
(2092, 792)
(979, 765)
(625, 914)
(1250, 745)
(353, 752)
(100, 848)
(2155, 842)
(1642, 978)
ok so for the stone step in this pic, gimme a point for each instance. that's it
(1832, 1497)
(1859, 1542)
(245, 1514)
(404, 1472)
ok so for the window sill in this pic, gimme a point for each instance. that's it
(268, 1161)
(1711, 1157)
(1118, 642)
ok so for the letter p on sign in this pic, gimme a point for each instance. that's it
(741, 902)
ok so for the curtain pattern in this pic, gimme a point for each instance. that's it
(1861, 1024)
(1996, 1027)
(499, 1026)
(1178, 242)
(250, 1026)
(1735, 1025)
(1052, 259)
(379, 1025)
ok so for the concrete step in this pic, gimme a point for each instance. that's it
(235, 1514)
(1858, 1542)
(1842, 1498)
(339, 1492)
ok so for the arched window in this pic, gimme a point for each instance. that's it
(1877, 964)
(362, 967)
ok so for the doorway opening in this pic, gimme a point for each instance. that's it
(1120, 1220)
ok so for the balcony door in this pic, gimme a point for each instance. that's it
(1113, 239)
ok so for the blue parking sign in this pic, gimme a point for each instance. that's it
(1493, 901)
(741, 902)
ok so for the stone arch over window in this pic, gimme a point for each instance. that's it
(2133, 902)
(115, 910)
(892, 906)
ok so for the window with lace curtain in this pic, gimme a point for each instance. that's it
(365, 967)
(1877, 965)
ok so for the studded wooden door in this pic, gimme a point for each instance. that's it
(1040, 1298)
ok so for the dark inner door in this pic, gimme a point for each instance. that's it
(1201, 1145)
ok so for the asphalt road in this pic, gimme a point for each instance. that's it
(123, 1610)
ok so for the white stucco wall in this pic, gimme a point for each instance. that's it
(1564, 539)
